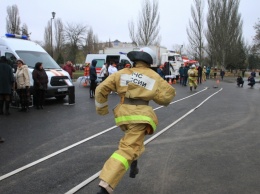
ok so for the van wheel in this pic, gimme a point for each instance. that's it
(60, 97)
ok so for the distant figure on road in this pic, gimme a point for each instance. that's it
(222, 74)
(251, 81)
(185, 75)
(243, 72)
(215, 72)
(181, 72)
(199, 69)
(253, 73)
(204, 73)
(208, 72)
(193, 74)
(93, 78)
(240, 81)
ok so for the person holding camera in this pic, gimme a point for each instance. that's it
(40, 85)
(69, 68)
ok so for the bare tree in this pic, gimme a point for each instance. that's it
(47, 38)
(59, 36)
(224, 34)
(13, 20)
(256, 45)
(147, 32)
(96, 44)
(89, 47)
(74, 35)
(24, 30)
(195, 30)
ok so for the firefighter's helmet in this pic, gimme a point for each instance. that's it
(145, 54)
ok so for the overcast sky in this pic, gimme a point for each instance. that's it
(109, 18)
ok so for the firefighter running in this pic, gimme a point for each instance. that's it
(136, 87)
(193, 75)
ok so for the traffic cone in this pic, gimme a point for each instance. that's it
(174, 81)
(217, 84)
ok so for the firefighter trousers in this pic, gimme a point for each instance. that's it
(131, 146)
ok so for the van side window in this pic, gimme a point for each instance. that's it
(100, 63)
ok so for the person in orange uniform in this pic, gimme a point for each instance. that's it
(136, 86)
(86, 70)
(86, 74)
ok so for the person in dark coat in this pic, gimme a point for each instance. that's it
(181, 72)
(185, 75)
(40, 85)
(93, 78)
(240, 81)
(199, 74)
(6, 85)
(222, 74)
(251, 81)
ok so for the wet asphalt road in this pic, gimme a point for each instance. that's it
(213, 150)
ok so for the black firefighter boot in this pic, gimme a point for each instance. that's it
(133, 169)
(1, 107)
(102, 191)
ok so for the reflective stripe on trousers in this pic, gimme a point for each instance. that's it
(131, 146)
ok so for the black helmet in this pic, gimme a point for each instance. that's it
(144, 54)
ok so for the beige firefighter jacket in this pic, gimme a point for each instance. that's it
(139, 82)
(193, 74)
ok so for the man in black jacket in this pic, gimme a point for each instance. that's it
(93, 78)
(199, 74)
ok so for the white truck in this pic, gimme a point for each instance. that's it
(15, 47)
(175, 60)
(124, 50)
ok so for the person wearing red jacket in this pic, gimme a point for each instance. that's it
(69, 68)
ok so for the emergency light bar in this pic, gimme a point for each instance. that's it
(16, 36)
(122, 53)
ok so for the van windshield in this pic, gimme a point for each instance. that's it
(31, 58)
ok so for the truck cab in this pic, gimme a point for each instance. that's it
(175, 60)
(15, 47)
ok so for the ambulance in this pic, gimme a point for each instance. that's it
(15, 47)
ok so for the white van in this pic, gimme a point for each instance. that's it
(120, 59)
(15, 47)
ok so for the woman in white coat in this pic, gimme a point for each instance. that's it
(23, 85)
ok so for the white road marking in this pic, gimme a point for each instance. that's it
(93, 177)
(76, 144)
